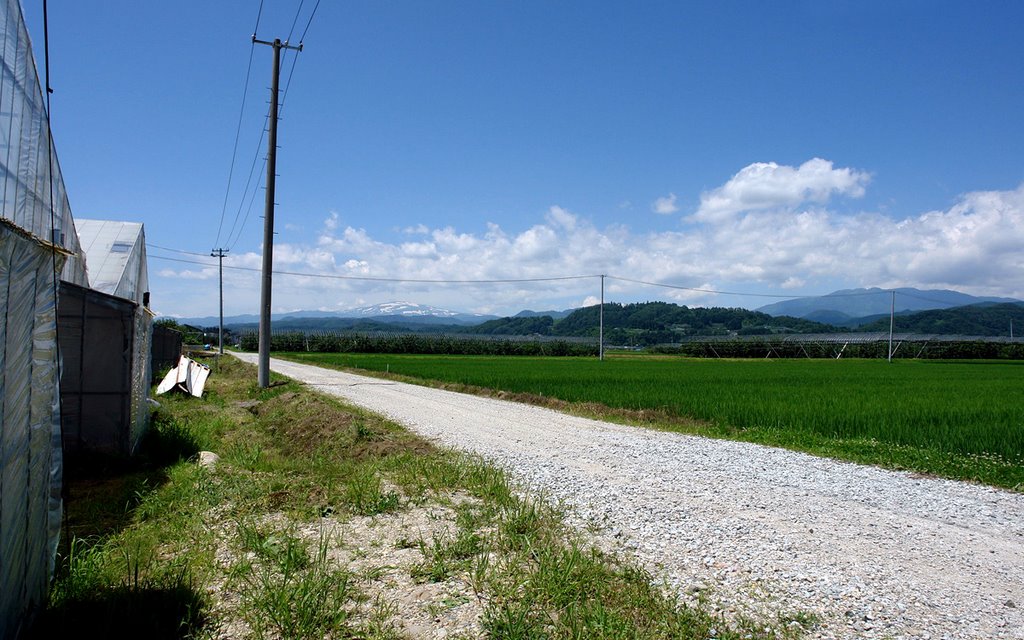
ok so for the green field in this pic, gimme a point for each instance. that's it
(962, 419)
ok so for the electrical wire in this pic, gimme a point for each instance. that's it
(331, 276)
(917, 297)
(234, 151)
(259, 14)
(245, 192)
(238, 131)
(738, 293)
(252, 199)
(309, 22)
(295, 21)
(232, 237)
(65, 493)
(188, 253)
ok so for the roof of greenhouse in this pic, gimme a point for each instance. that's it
(115, 257)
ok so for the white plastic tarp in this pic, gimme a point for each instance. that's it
(189, 376)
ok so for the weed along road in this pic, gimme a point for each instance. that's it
(849, 550)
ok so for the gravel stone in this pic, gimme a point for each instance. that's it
(749, 530)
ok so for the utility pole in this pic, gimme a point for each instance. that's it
(892, 321)
(219, 254)
(600, 346)
(268, 216)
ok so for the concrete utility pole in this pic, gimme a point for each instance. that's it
(892, 321)
(268, 218)
(600, 330)
(219, 254)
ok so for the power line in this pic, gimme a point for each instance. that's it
(238, 134)
(259, 13)
(331, 276)
(737, 293)
(917, 297)
(309, 22)
(245, 192)
(188, 253)
(295, 20)
(295, 58)
(232, 237)
(238, 129)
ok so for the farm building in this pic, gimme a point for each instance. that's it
(105, 335)
(43, 276)
(37, 242)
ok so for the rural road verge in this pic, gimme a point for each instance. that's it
(756, 531)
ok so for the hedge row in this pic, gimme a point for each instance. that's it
(417, 344)
(768, 349)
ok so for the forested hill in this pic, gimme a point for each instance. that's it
(973, 320)
(652, 323)
(516, 326)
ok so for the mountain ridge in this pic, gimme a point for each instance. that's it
(873, 301)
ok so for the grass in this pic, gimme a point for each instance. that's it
(287, 536)
(956, 419)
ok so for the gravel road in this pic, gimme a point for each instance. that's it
(754, 530)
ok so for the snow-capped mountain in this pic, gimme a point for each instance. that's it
(400, 309)
(411, 311)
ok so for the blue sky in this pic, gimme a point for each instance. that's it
(775, 148)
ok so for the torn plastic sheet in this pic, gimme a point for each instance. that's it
(189, 376)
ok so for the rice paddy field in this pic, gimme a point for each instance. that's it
(958, 419)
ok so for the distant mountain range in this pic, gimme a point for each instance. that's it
(983, 319)
(402, 312)
(918, 311)
(555, 315)
(856, 307)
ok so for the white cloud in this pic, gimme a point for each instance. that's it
(560, 217)
(767, 185)
(973, 246)
(665, 205)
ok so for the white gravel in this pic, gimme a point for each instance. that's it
(759, 531)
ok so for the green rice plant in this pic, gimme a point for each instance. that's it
(161, 572)
(960, 419)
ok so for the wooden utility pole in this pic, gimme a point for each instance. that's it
(268, 216)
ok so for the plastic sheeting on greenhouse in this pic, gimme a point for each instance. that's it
(116, 255)
(30, 453)
(103, 348)
(105, 335)
(28, 159)
(37, 237)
